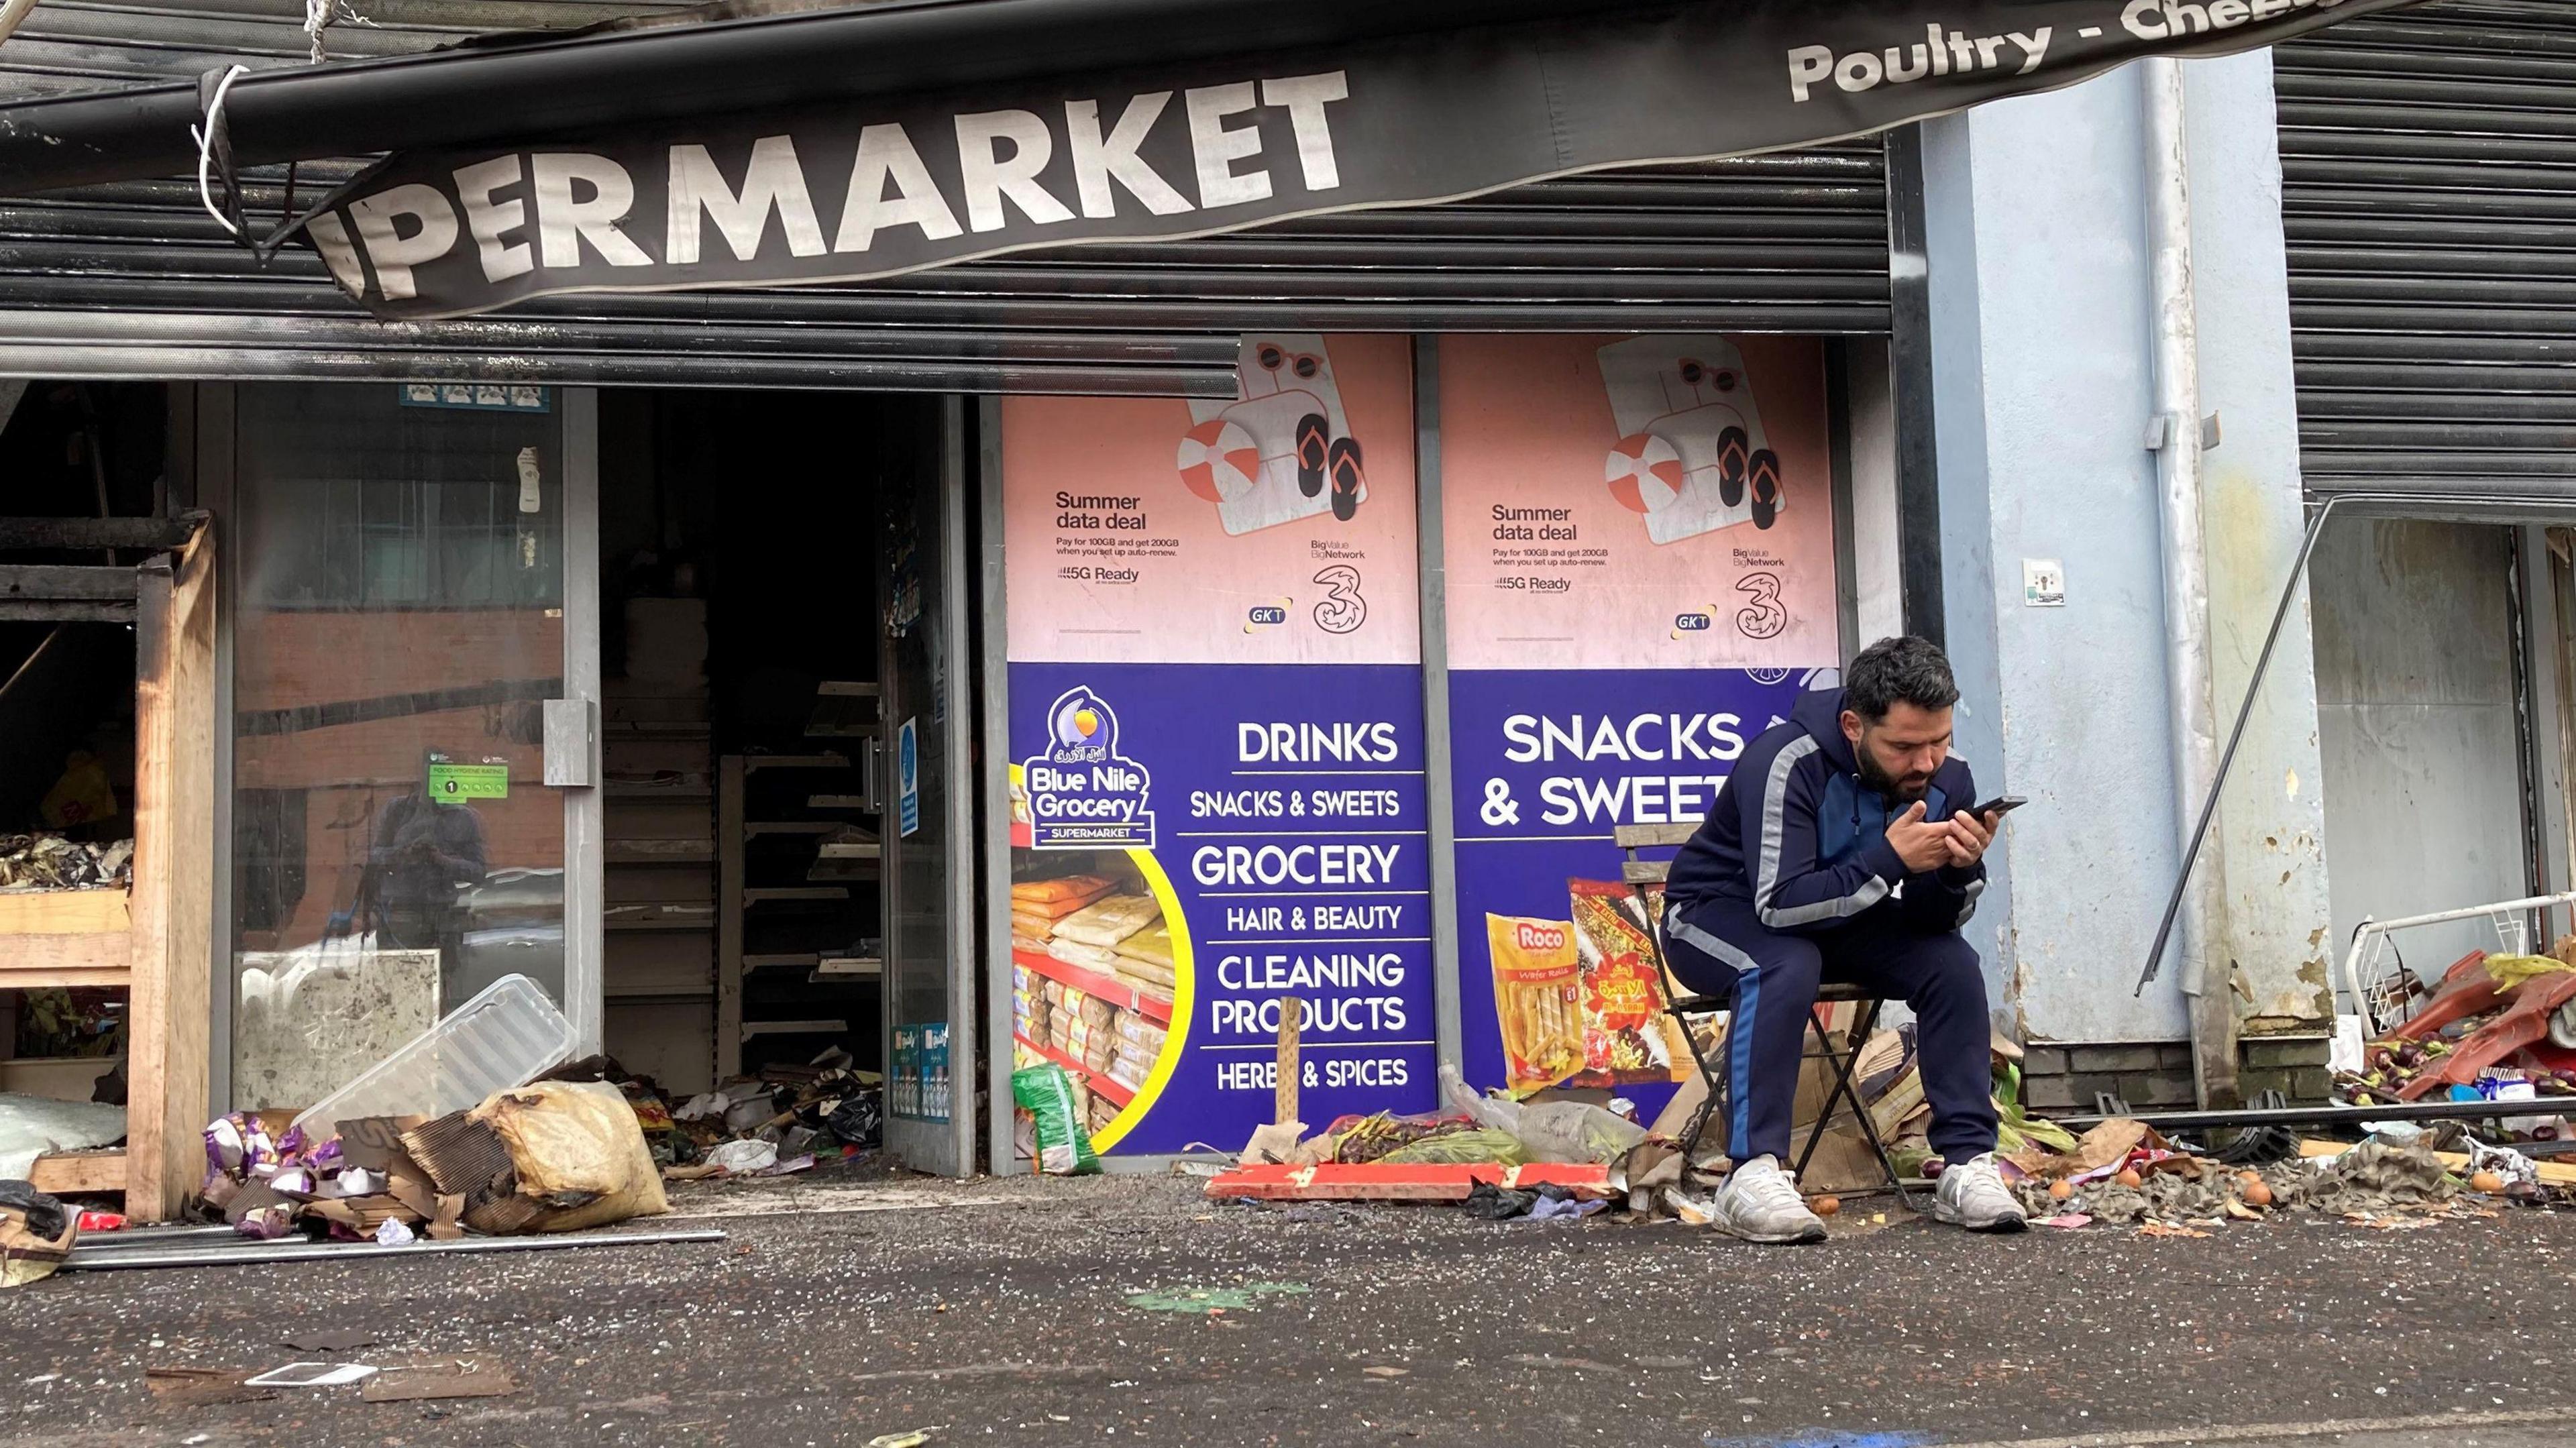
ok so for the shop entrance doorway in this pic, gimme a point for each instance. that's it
(782, 718)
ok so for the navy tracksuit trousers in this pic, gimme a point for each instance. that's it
(1718, 947)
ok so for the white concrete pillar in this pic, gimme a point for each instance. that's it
(2041, 330)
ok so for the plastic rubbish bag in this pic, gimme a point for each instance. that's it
(1063, 1145)
(578, 1151)
(1475, 1147)
(859, 1120)
(742, 1158)
(1558, 1131)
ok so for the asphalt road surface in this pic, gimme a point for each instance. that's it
(1026, 1312)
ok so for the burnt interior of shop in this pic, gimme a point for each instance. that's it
(743, 579)
(68, 451)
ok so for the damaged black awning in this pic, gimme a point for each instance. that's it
(851, 144)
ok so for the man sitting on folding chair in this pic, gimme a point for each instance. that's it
(1840, 850)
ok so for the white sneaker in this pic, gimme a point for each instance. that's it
(1759, 1203)
(1973, 1195)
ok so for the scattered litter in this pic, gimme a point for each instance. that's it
(2507, 1166)
(439, 1380)
(392, 1233)
(1550, 1131)
(311, 1375)
(913, 1439)
(1385, 1372)
(2068, 1221)
(1692, 1211)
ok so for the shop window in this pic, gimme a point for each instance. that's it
(397, 613)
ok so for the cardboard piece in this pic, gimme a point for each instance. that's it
(448, 1222)
(1276, 1142)
(418, 1197)
(361, 1215)
(375, 1143)
(1815, 1073)
(439, 1380)
(1675, 1118)
(34, 1240)
(252, 1196)
(201, 1387)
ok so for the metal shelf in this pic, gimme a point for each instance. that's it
(755, 763)
(794, 1028)
(763, 894)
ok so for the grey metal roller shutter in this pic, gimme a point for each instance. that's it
(137, 281)
(2429, 190)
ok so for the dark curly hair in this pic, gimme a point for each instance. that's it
(1908, 668)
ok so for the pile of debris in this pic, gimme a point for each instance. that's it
(1567, 1159)
(550, 1156)
(2124, 1173)
(2493, 1028)
(784, 1119)
(51, 862)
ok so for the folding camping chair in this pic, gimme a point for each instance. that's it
(1646, 877)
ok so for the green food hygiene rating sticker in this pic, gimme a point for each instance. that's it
(449, 783)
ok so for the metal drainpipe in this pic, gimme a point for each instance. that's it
(2186, 578)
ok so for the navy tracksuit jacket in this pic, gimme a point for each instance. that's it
(1792, 883)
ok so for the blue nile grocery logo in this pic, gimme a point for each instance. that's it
(1084, 794)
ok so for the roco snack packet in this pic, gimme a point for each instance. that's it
(1536, 999)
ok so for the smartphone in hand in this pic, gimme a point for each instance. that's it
(2002, 804)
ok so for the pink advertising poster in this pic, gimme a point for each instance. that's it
(1637, 502)
(1640, 567)
(1277, 528)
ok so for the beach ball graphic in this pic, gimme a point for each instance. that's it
(1644, 473)
(1219, 460)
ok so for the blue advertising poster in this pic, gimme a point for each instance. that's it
(1556, 984)
(1266, 822)
(1216, 746)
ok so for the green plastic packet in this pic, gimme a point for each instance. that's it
(1064, 1146)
